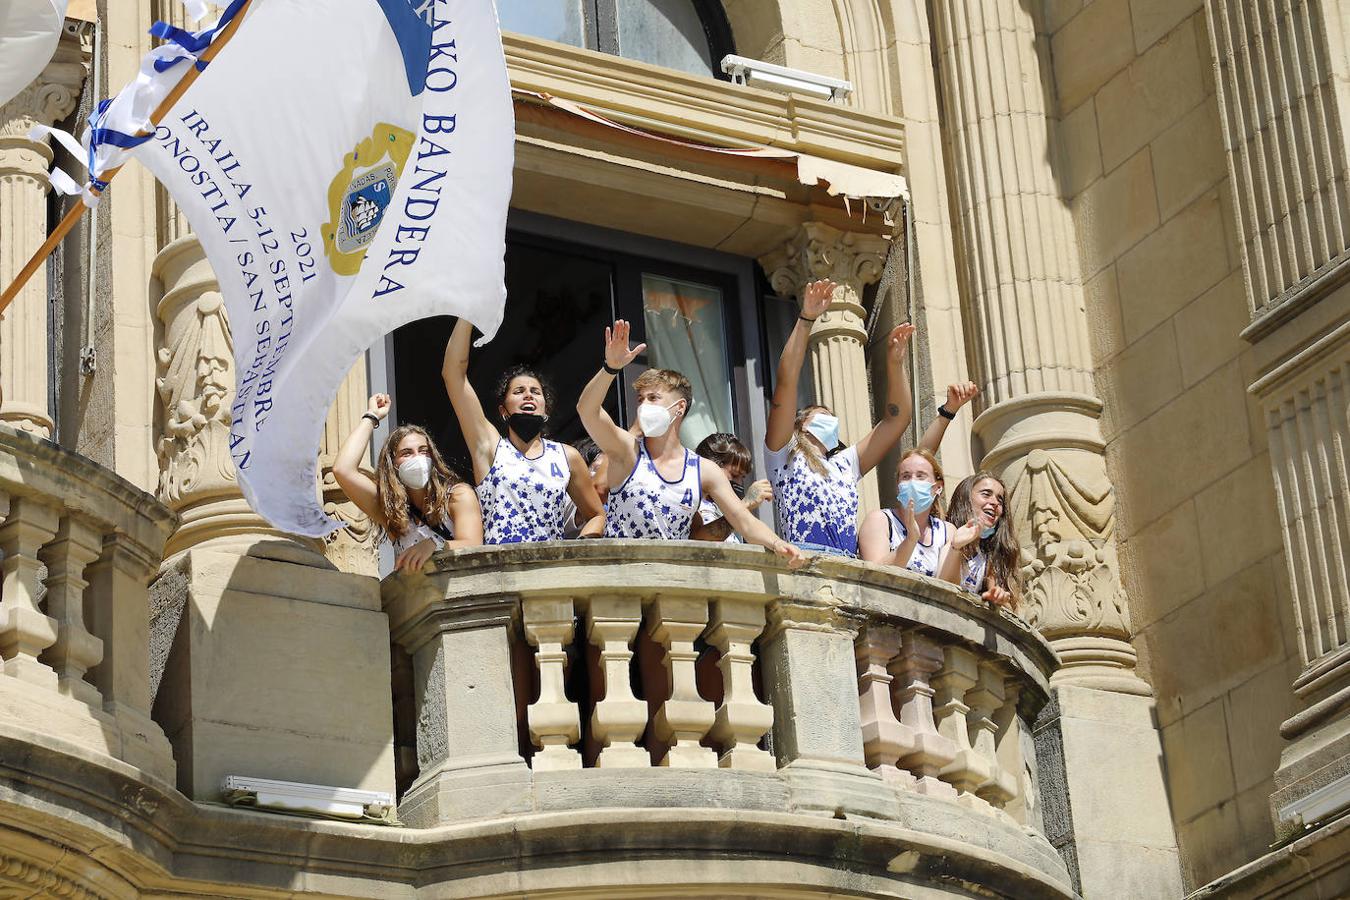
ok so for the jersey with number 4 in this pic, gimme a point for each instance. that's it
(524, 499)
(648, 506)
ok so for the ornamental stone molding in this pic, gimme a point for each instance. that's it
(23, 223)
(838, 346)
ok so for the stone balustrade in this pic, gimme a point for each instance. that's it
(613, 674)
(79, 547)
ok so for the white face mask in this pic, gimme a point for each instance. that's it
(415, 472)
(654, 419)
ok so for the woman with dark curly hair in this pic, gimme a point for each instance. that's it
(415, 500)
(523, 479)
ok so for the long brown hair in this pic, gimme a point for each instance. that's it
(393, 496)
(804, 445)
(1000, 548)
(936, 508)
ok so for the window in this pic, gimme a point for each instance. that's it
(689, 35)
(696, 310)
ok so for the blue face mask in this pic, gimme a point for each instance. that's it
(825, 428)
(917, 493)
(988, 531)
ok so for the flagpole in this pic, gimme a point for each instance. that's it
(68, 222)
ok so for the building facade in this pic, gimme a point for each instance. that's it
(1127, 221)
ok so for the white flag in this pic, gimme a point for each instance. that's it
(346, 165)
(29, 32)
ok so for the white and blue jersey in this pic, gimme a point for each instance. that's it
(973, 571)
(524, 499)
(814, 509)
(648, 506)
(926, 557)
(709, 512)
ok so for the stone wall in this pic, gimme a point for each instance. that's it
(1142, 156)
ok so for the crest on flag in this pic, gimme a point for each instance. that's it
(360, 193)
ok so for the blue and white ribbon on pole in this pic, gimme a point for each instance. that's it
(121, 123)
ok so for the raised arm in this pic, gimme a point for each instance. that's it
(899, 406)
(357, 485)
(958, 395)
(715, 485)
(613, 441)
(479, 433)
(582, 492)
(783, 407)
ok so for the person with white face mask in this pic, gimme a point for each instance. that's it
(913, 535)
(815, 478)
(418, 503)
(656, 484)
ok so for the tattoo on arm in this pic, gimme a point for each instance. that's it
(892, 410)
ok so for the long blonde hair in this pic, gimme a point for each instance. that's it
(392, 496)
(936, 508)
(803, 444)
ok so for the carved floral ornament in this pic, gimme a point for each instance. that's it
(822, 251)
(1069, 563)
(196, 385)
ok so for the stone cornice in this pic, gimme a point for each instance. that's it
(702, 109)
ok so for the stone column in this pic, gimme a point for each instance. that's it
(23, 223)
(353, 549)
(1038, 429)
(811, 678)
(838, 348)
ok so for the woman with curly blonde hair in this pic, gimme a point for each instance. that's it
(415, 500)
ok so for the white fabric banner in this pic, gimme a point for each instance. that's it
(347, 166)
(29, 32)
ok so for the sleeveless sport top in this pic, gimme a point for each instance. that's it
(973, 571)
(815, 509)
(421, 529)
(646, 505)
(524, 499)
(925, 557)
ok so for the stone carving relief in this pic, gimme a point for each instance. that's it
(47, 100)
(821, 251)
(1069, 563)
(196, 385)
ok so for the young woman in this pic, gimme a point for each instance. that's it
(814, 480)
(913, 535)
(414, 499)
(733, 458)
(656, 484)
(984, 554)
(523, 478)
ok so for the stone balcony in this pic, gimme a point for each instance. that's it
(659, 691)
(592, 719)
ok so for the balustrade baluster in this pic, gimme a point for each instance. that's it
(684, 718)
(928, 751)
(24, 630)
(968, 771)
(1006, 742)
(77, 543)
(741, 719)
(619, 717)
(555, 722)
(884, 736)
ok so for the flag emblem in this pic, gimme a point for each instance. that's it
(360, 193)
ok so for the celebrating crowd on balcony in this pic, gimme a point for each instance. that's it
(644, 483)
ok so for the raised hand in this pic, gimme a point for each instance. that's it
(379, 406)
(898, 342)
(910, 519)
(959, 394)
(757, 494)
(817, 298)
(966, 535)
(617, 352)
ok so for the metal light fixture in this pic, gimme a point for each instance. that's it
(311, 798)
(754, 73)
